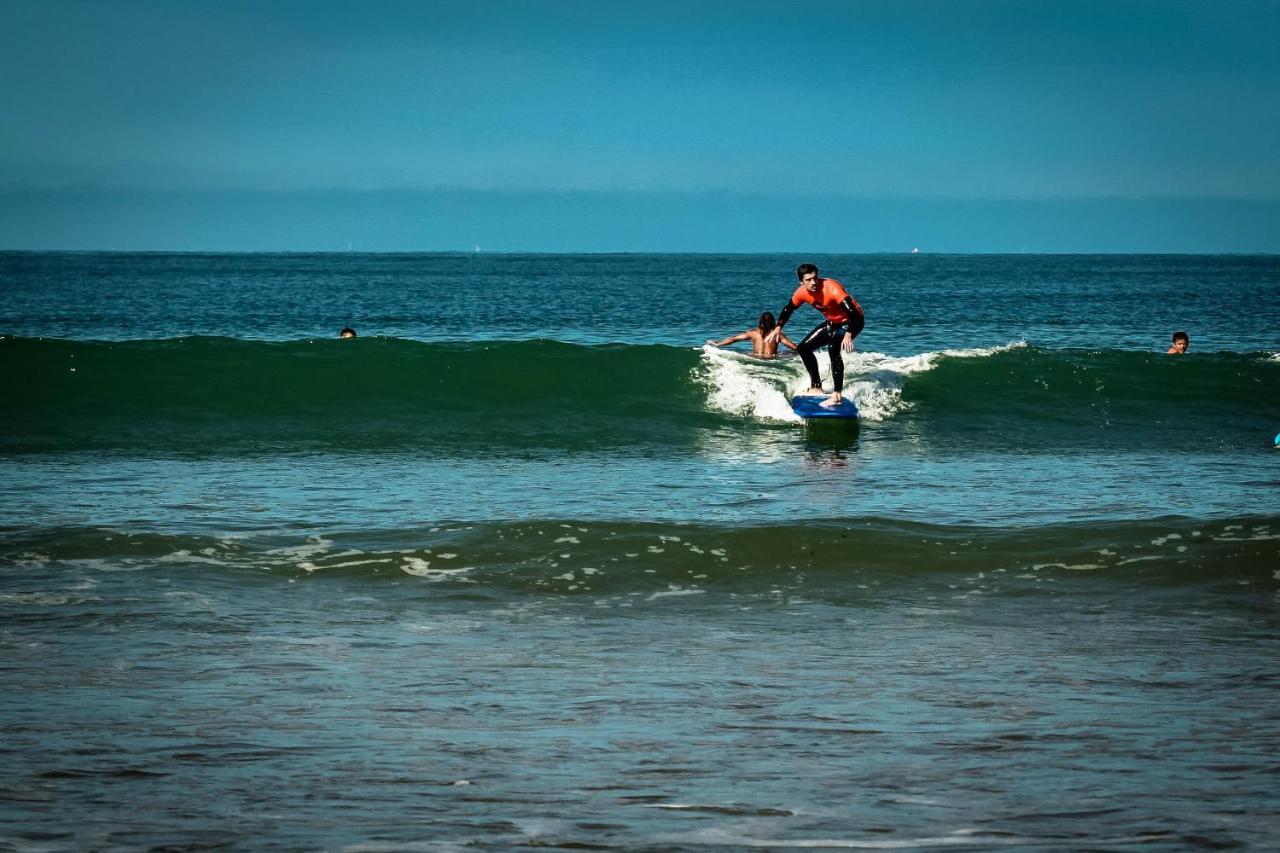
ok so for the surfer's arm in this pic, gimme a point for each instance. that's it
(856, 320)
(850, 308)
(783, 316)
(731, 340)
(787, 341)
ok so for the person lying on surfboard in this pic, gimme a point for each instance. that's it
(761, 345)
(843, 321)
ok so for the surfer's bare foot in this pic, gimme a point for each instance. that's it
(833, 400)
(813, 392)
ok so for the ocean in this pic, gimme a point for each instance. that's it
(527, 564)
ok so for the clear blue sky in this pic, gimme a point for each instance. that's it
(1033, 105)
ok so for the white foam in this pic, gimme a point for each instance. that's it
(315, 546)
(349, 563)
(741, 385)
(876, 379)
(958, 838)
(421, 568)
(675, 590)
(185, 556)
(99, 564)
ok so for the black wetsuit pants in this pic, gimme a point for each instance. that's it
(830, 334)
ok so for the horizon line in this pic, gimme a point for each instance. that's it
(17, 188)
(769, 253)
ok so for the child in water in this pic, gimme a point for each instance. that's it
(1180, 343)
(760, 347)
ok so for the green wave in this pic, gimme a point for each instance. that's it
(1041, 399)
(219, 395)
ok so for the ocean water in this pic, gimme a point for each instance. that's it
(528, 565)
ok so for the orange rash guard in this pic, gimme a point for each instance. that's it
(827, 300)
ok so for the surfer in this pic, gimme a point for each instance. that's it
(844, 320)
(762, 345)
(1180, 343)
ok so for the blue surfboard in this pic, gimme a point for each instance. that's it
(809, 407)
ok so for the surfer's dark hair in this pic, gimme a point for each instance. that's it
(767, 322)
(804, 269)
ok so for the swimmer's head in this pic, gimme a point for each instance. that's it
(348, 332)
(1181, 341)
(767, 322)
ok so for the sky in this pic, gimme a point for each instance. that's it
(566, 125)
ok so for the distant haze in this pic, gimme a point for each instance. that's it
(566, 125)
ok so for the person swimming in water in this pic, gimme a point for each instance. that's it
(1180, 343)
(761, 345)
(843, 321)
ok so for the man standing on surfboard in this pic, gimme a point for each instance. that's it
(844, 320)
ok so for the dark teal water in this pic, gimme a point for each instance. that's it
(524, 565)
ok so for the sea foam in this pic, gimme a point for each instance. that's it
(741, 384)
